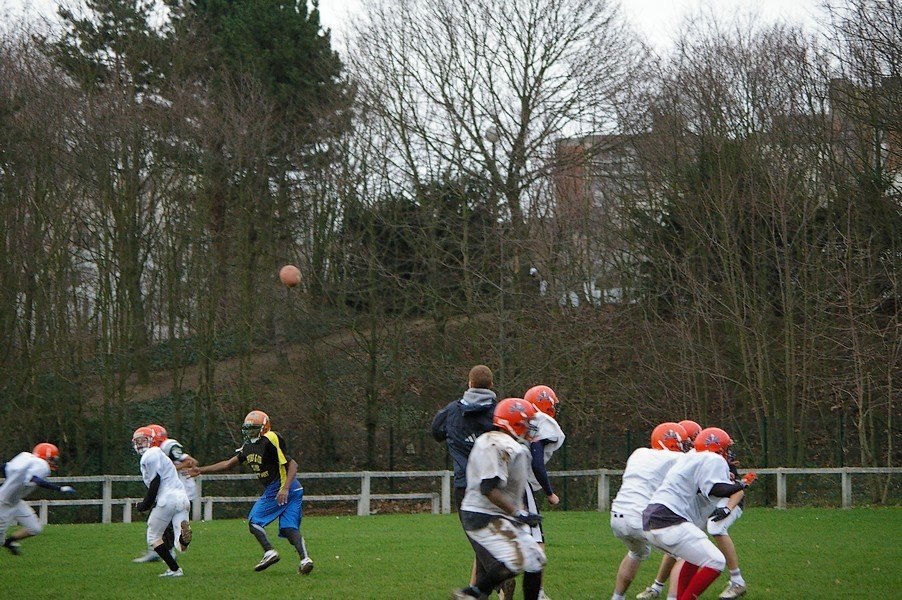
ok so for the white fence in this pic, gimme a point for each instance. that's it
(440, 498)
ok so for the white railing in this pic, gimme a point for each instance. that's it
(440, 500)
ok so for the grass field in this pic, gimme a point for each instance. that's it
(798, 553)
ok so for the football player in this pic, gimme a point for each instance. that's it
(267, 455)
(548, 438)
(718, 525)
(182, 460)
(24, 473)
(165, 499)
(644, 472)
(669, 567)
(671, 517)
(492, 512)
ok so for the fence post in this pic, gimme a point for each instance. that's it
(846, 488)
(604, 492)
(208, 509)
(198, 498)
(363, 505)
(127, 511)
(106, 515)
(781, 488)
(43, 512)
(446, 493)
(435, 504)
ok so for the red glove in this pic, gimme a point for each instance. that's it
(749, 478)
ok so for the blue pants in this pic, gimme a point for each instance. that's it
(266, 510)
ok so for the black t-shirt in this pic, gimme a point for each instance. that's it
(267, 457)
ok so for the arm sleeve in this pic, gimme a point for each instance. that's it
(40, 481)
(487, 485)
(538, 466)
(151, 495)
(724, 490)
(438, 425)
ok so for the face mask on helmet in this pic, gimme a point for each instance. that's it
(142, 443)
(251, 432)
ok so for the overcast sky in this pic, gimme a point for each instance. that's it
(658, 20)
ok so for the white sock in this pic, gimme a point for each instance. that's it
(736, 577)
(657, 586)
(617, 596)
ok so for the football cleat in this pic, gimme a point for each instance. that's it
(306, 566)
(14, 547)
(176, 573)
(650, 593)
(149, 557)
(464, 595)
(733, 591)
(270, 557)
(542, 595)
(185, 536)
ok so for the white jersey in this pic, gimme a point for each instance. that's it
(694, 474)
(645, 471)
(547, 429)
(19, 472)
(496, 454)
(171, 490)
(173, 449)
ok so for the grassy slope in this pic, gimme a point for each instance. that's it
(800, 553)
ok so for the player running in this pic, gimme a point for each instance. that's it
(644, 472)
(492, 512)
(166, 499)
(24, 473)
(548, 438)
(182, 460)
(267, 455)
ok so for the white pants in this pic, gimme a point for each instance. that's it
(18, 513)
(722, 527)
(172, 510)
(511, 544)
(536, 532)
(688, 542)
(628, 529)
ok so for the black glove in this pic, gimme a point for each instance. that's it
(720, 514)
(531, 519)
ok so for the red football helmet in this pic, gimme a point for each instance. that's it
(514, 415)
(256, 423)
(713, 439)
(692, 428)
(544, 398)
(143, 439)
(48, 452)
(669, 436)
(160, 434)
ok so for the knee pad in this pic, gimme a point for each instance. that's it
(640, 556)
(33, 528)
(717, 562)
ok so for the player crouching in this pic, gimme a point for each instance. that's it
(669, 520)
(492, 511)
